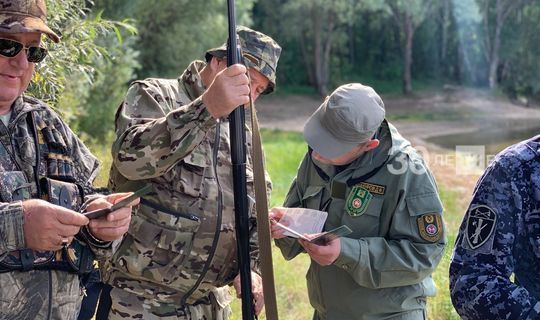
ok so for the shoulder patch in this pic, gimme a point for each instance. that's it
(430, 227)
(481, 222)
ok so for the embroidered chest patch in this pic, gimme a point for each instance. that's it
(373, 188)
(481, 223)
(430, 227)
(358, 201)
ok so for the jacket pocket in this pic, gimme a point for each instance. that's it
(366, 224)
(312, 197)
(13, 186)
(155, 252)
(532, 221)
(192, 171)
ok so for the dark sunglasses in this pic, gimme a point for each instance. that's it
(10, 48)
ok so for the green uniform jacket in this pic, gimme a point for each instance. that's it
(182, 244)
(384, 267)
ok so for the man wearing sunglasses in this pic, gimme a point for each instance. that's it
(179, 255)
(46, 174)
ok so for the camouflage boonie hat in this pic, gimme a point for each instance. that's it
(18, 16)
(259, 50)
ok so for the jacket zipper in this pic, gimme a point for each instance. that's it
(219, 215)
(49, 313)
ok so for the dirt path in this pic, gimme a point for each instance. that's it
(418, 117)
(421, 117)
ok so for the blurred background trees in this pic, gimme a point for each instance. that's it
(395, 45)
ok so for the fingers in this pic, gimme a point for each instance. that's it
(276, 213)
(112, 226)
(228, 90)
(70, 218)
(236, 285)
(65, 241)
(235, 70)
(117, 197)
(323, 255)
(114, 219)
(258, 298)
(276, 232)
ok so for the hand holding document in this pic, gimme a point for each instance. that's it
(299, 222)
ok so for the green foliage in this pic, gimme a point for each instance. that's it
(172, 33)
(78, 50)
(520, 74)
(287, 150)
(93, 104)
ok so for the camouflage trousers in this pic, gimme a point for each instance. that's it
(126, 305)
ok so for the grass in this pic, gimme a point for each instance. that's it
(284, 151)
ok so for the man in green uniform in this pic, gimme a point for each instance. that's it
(368, 177)
(180, 252)
(46, 175)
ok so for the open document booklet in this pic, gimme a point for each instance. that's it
(299, 221)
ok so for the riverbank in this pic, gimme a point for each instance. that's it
(422, 118)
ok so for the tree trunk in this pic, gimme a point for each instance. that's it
(307, 57)
(407, 54)
(494, 63)
(318, 51)
(352, 49)
(445, 23)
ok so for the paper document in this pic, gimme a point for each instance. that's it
(303, 221)
(323, 238)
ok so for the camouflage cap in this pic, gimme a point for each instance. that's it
(259, 50)
(25, 16)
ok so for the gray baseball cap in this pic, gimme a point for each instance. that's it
(348, 117)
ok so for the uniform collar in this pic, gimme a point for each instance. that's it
(24, 104)
(391, 144)
(192, 81)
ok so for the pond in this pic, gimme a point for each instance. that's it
(494, 140)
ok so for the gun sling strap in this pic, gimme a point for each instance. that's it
(263, 224)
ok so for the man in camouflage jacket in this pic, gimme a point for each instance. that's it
(46, 175)
(180, 252)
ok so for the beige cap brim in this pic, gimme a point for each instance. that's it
(10, 23)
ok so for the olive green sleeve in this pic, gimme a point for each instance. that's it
(412, 248)
(154, 131)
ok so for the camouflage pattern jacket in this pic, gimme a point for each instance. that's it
(500, 237)
(181, 243)
(389, 198)
(37, 294)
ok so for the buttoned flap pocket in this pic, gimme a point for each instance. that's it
(423, 204)
(13, 186)
(65, 194)
(155, 251)
(366, 224)
(532, 222)
(192, 172)
(312, 197)
(425, 212)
